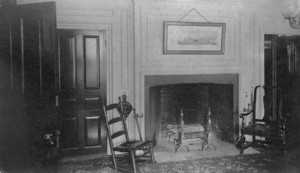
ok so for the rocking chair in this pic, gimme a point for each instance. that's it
(269, 130)
(123, 109)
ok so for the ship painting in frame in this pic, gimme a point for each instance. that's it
(194, 38)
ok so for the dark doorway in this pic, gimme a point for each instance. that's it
(282, 68)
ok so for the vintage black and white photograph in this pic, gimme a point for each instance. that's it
(149, 86)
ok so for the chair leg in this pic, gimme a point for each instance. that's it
(114, 160)
(151, 153)
(283, 143)
(133, 160)
(177, 145)
(242, 144)
(282, 146)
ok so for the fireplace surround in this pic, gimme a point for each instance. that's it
(167, 95)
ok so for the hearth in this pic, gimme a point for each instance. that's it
(195, 96)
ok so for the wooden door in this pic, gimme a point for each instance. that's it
(292, 92)
(282, 68)
(27, 74)
(81, 82)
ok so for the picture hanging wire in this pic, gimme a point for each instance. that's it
(193, 9)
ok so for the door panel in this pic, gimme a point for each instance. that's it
(91, 62)
(92, 131)
(27, 67)
(69, 133)
(80, 64)
(67, 63)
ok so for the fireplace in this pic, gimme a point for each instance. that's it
(196, 96)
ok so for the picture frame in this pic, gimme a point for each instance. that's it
(194, 38)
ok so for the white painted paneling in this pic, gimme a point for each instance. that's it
(243, 41)
(134, 37)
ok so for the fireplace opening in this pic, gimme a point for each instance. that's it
(215, 99)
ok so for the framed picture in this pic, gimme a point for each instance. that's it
(194, 38)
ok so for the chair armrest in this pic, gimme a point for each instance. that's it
(243, 114)
(282, 119)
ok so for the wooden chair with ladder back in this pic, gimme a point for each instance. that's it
(138, 150)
